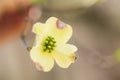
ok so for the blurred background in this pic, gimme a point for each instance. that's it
(96, 29)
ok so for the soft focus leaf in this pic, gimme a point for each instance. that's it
(37, 1)
(117, 54)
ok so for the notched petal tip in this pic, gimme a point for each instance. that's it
(29, 48)
(39, 67)
(75, 58)
(60, 24)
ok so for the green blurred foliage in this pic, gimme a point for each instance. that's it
(117, 54)
(37, 1)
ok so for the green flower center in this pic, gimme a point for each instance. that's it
(49, 44)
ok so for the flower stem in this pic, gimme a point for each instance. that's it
(25, 43)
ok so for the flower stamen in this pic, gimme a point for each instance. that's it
(49, 44)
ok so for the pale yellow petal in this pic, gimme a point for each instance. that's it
(40, 29)
(38, 39)
(44, 60)
(66, 49)
(64, 55)
(64, 61)
(59, 30)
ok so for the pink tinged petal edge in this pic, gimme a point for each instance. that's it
(60, 24)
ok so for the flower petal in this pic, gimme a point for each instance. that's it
(66, 49)
(44, 60)
(58, 29)
(64, 61)
(64, 55)
(38, 40)
(40, 28)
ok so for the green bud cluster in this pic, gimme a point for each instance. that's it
(49, 44)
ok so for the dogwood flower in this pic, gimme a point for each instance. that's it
(51, 45)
